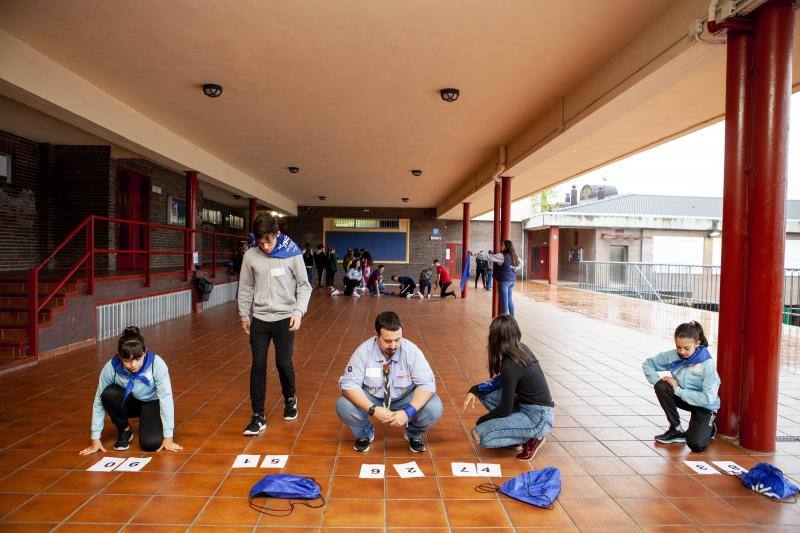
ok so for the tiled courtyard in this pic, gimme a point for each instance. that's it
(614, 477)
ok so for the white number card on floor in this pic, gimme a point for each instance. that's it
(464, 469)
(246, 461)
(106, 464)
(274, 461)
(488, 470)
(701, 467)
(372, 471)
(730, 467)
(411, 469)
(133, 464)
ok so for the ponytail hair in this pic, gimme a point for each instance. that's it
(131, 344)
(691, 330)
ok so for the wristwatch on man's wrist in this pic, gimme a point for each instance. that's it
(371, 410)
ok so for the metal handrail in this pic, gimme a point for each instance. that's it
(88, 259)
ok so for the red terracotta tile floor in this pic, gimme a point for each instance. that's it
(614, 477)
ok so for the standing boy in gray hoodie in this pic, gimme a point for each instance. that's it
(273, 281)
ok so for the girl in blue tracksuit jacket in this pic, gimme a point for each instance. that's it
(134, 384)
(692, 385)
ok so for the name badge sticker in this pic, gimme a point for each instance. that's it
(374, 372)
(275, 272)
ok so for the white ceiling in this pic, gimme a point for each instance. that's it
(346, 90)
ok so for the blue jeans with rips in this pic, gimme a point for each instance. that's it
(529, 421)
(358, 420)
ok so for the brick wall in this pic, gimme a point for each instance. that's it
(19, 221)
(307, 227)
(79, 187)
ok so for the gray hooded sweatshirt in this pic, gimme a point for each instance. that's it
(274, 287)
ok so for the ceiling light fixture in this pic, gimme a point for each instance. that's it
(237, 197)
(212, 90)
(322, 198)
(450, 94)
(293, 170)
(416, 172)
(405, 200)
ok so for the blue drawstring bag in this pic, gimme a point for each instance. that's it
(769, 481)
(537, 487)
(288, 487)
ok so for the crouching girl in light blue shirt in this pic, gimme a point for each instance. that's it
(134, 384)
(692, 386)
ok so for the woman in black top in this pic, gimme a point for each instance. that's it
(520, 408)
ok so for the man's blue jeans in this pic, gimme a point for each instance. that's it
(530, 421)
(358, 420)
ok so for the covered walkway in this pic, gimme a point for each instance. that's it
(591, 347)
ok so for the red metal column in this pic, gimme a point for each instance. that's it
(505, 209)
(505, 221)
(772, 83)
(496, 248)
(465, 244)
(253, 209)
(90, 261)
(552, 256)
(191, 210)
(738, 92)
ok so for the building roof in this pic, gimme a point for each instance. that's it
(666, 206)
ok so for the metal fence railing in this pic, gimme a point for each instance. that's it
(694, 286)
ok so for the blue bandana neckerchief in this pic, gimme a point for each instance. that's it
(700, 354)
(140, 374)
(285, 248)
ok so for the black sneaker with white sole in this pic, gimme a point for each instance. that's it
(362, 445)
(290, 408)
(124, 440)
(415, 444)
(671, 435)
(257, 424)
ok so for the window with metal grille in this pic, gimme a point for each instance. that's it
(367, 223)
(235, 222)
(212, 216)
(5, 167)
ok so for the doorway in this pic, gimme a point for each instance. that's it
(540, 262)
(618, 254)
(133, 203)
(452, 259)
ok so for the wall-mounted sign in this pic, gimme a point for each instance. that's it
(156, 189)
(436, 235)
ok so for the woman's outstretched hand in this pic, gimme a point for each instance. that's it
(96, 446)
(469, 401)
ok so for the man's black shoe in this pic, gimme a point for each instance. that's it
(256, 425)
(671, 435)
(290, 408)
(415, 444)
(124, 439)
(362, 445)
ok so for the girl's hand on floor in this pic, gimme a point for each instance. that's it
(169, 444)
(96, 446)
(469, 401)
